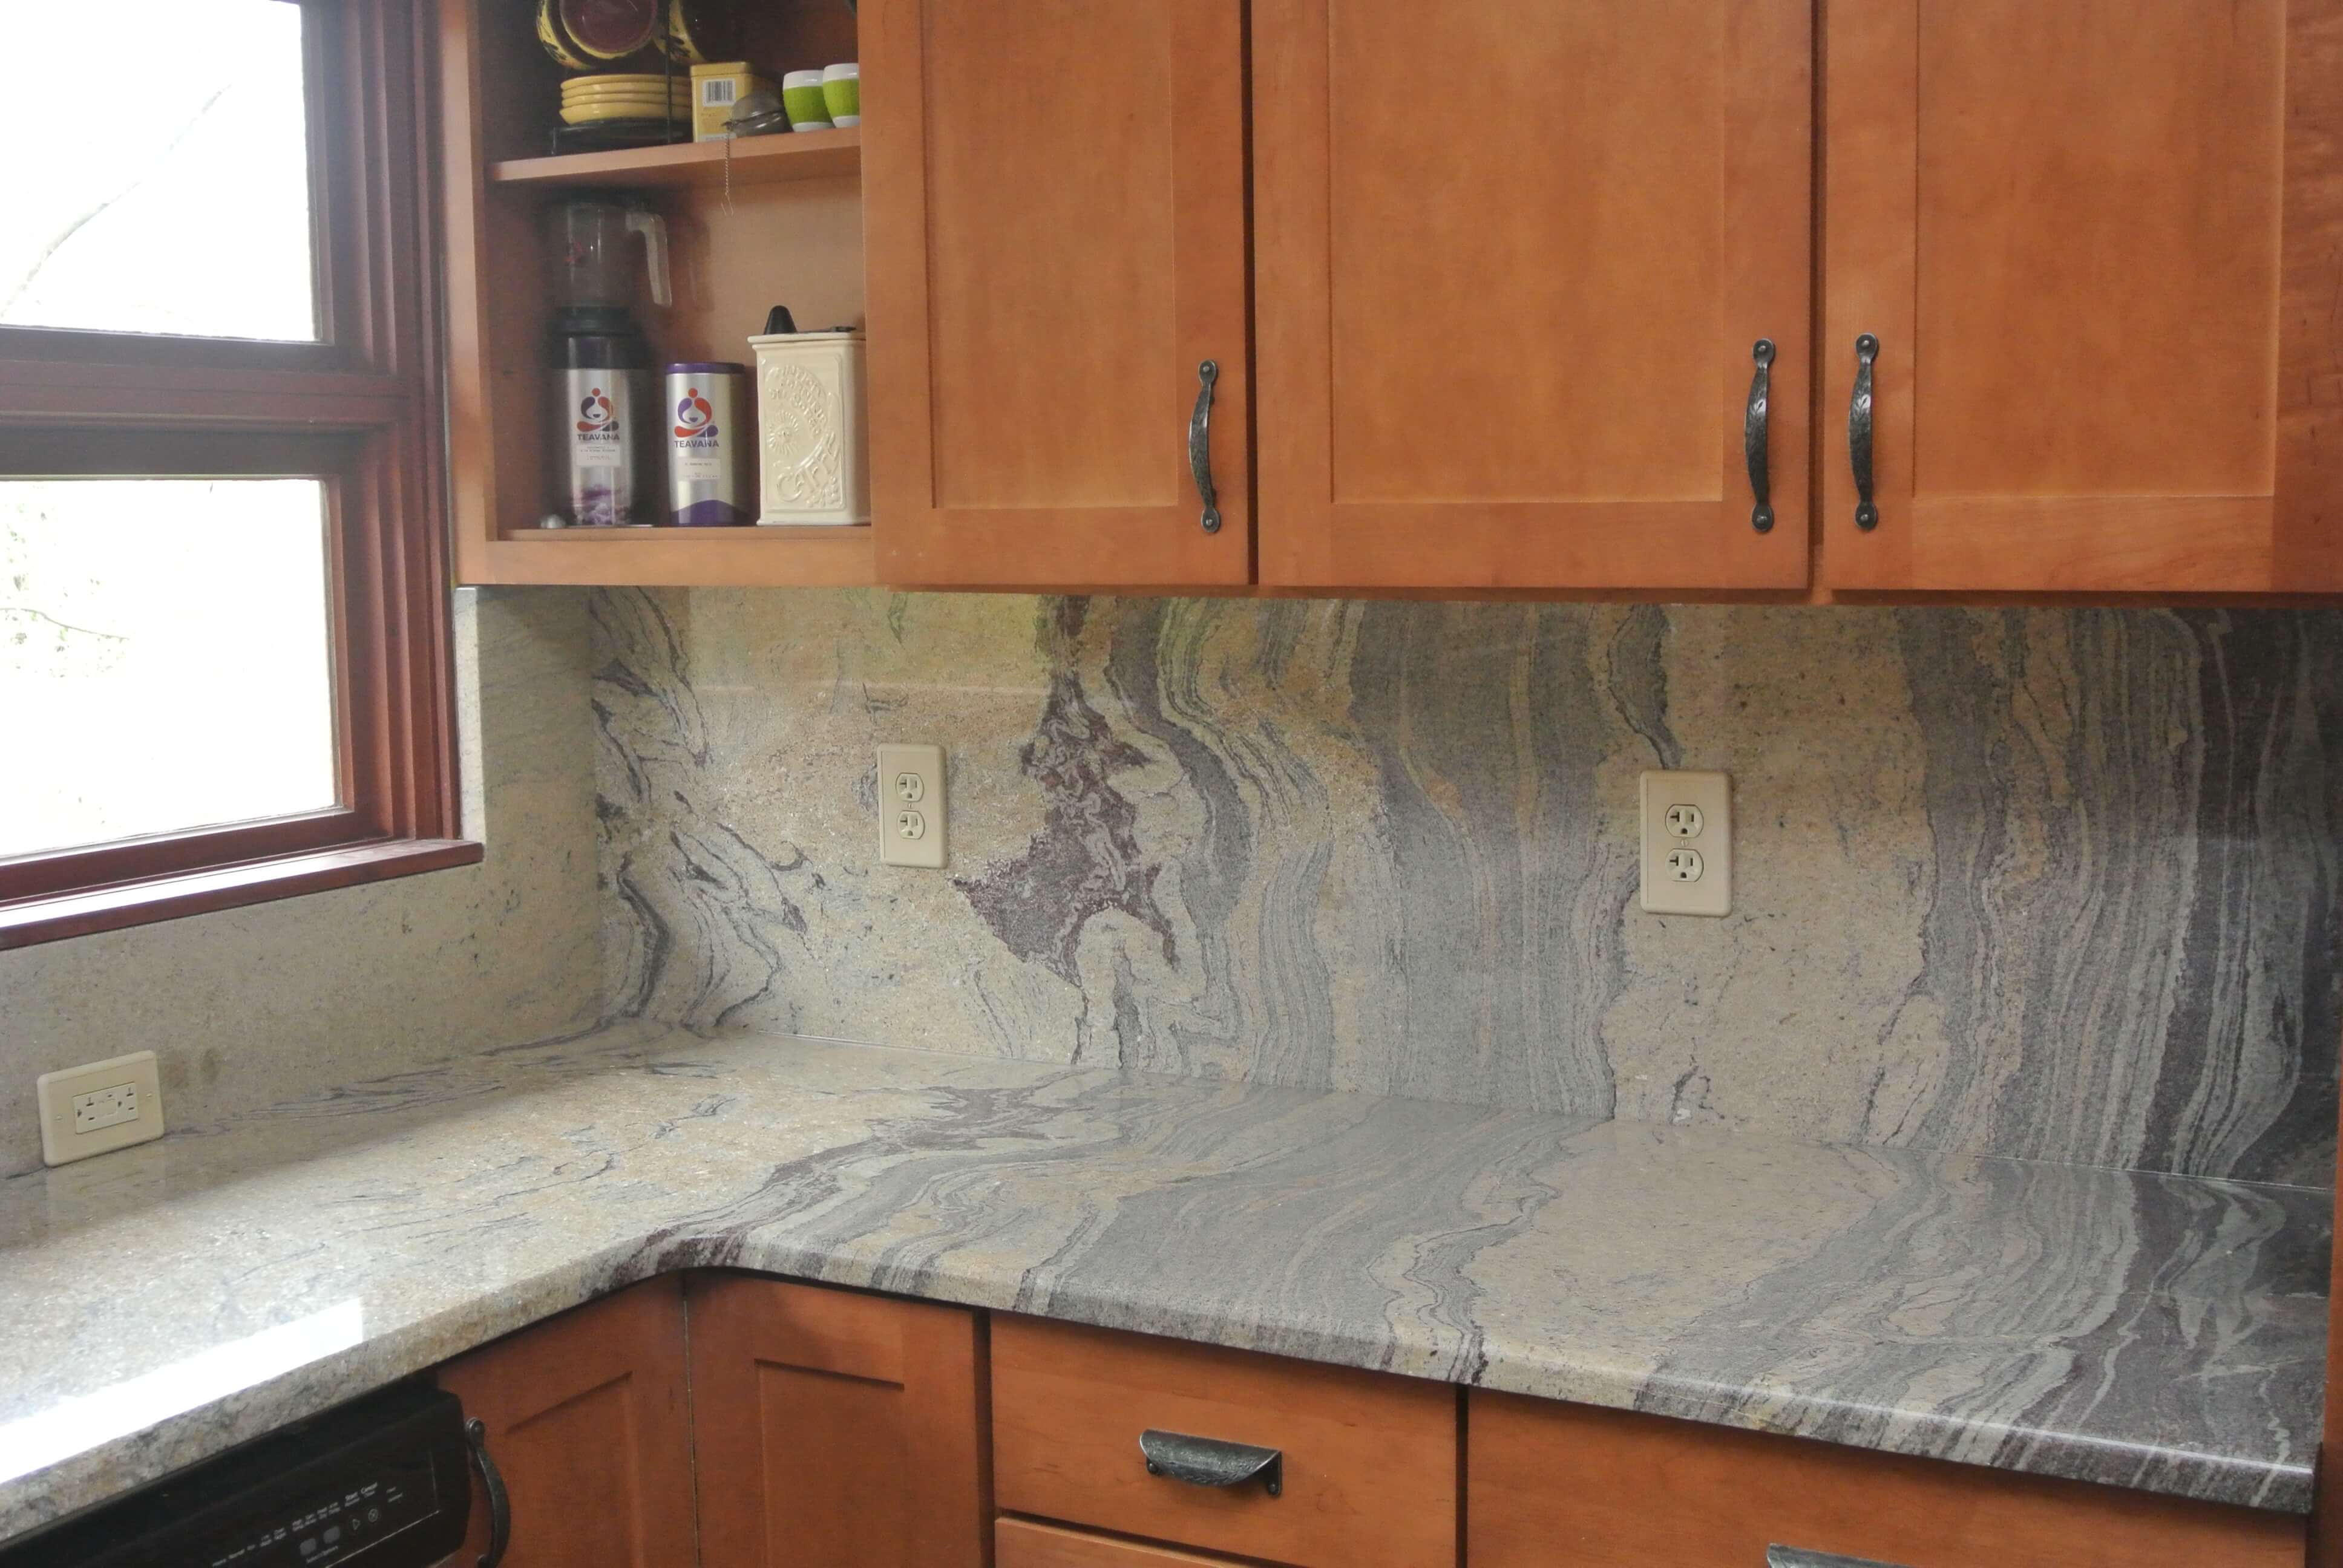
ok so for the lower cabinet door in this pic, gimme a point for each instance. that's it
(589, 1425)
(836, 1430)
(1561, 1484)
(1022, 1544)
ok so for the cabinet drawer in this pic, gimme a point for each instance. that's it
(1610, 1489)
(1022, 1543)
(1367, 1462)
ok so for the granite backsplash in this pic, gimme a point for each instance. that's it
(2052, 884)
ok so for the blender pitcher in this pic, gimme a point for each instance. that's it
(592, 246)
(603, 404)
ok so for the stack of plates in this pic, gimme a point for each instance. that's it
(585, 100)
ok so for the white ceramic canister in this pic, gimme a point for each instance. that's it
(814, 459)
(706, 446)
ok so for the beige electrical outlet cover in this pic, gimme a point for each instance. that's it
(1711, 796)
(912, 821)
(54, 1092)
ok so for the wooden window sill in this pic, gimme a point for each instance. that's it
(84, 912)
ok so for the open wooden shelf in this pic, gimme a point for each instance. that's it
(756, 160)
(788, 230)
(686, 557)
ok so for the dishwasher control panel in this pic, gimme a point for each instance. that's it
(384, 1482)
(368, 1511)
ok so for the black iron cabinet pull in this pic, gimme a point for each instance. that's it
(1858, 433)
(1211, 1462)
(1200, 443)
(1753, 437)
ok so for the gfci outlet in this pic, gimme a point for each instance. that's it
(99, 1107)
(911, 806)
(1688, 852)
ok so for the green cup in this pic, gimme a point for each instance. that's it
(841, 89)
(801, 96)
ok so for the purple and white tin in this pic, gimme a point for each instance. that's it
(708, 445)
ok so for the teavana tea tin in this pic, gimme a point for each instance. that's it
(708, 445)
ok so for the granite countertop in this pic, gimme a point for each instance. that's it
(167, 1301)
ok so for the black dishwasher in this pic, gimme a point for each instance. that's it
(380, 1482)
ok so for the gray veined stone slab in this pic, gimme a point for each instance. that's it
(2059, 885)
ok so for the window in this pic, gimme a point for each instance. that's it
(210, 168)
(224, 662)
(135, 603)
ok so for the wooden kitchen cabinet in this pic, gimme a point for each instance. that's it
(1512, 261)
(1054, 213)
(589, 1421)
(2098, 244)
(1483, 287)
(1550, 1483)
(836, 1430)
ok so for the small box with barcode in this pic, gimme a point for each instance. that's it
(714, 90)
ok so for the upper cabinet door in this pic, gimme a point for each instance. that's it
(2098, 244)
(1512, 260)
(1054, 225)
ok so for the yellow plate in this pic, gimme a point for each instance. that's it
(649, 106)
(631, 94)
(635, 105)
(681, 96)
(590, 114)
(647, 79)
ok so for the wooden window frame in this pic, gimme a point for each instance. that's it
(359, 410)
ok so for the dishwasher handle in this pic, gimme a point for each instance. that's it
(475, 1438)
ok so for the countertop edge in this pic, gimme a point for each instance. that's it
(98, 1474)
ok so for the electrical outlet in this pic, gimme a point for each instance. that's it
(105, 1108)
(1687, 844)
(911, 806)
(98, 1107)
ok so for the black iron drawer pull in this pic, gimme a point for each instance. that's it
(1858, 432)
(1791, 1557)
(476, 1436)
(1753, 435)
(1200, 443)
(1209, 1461)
